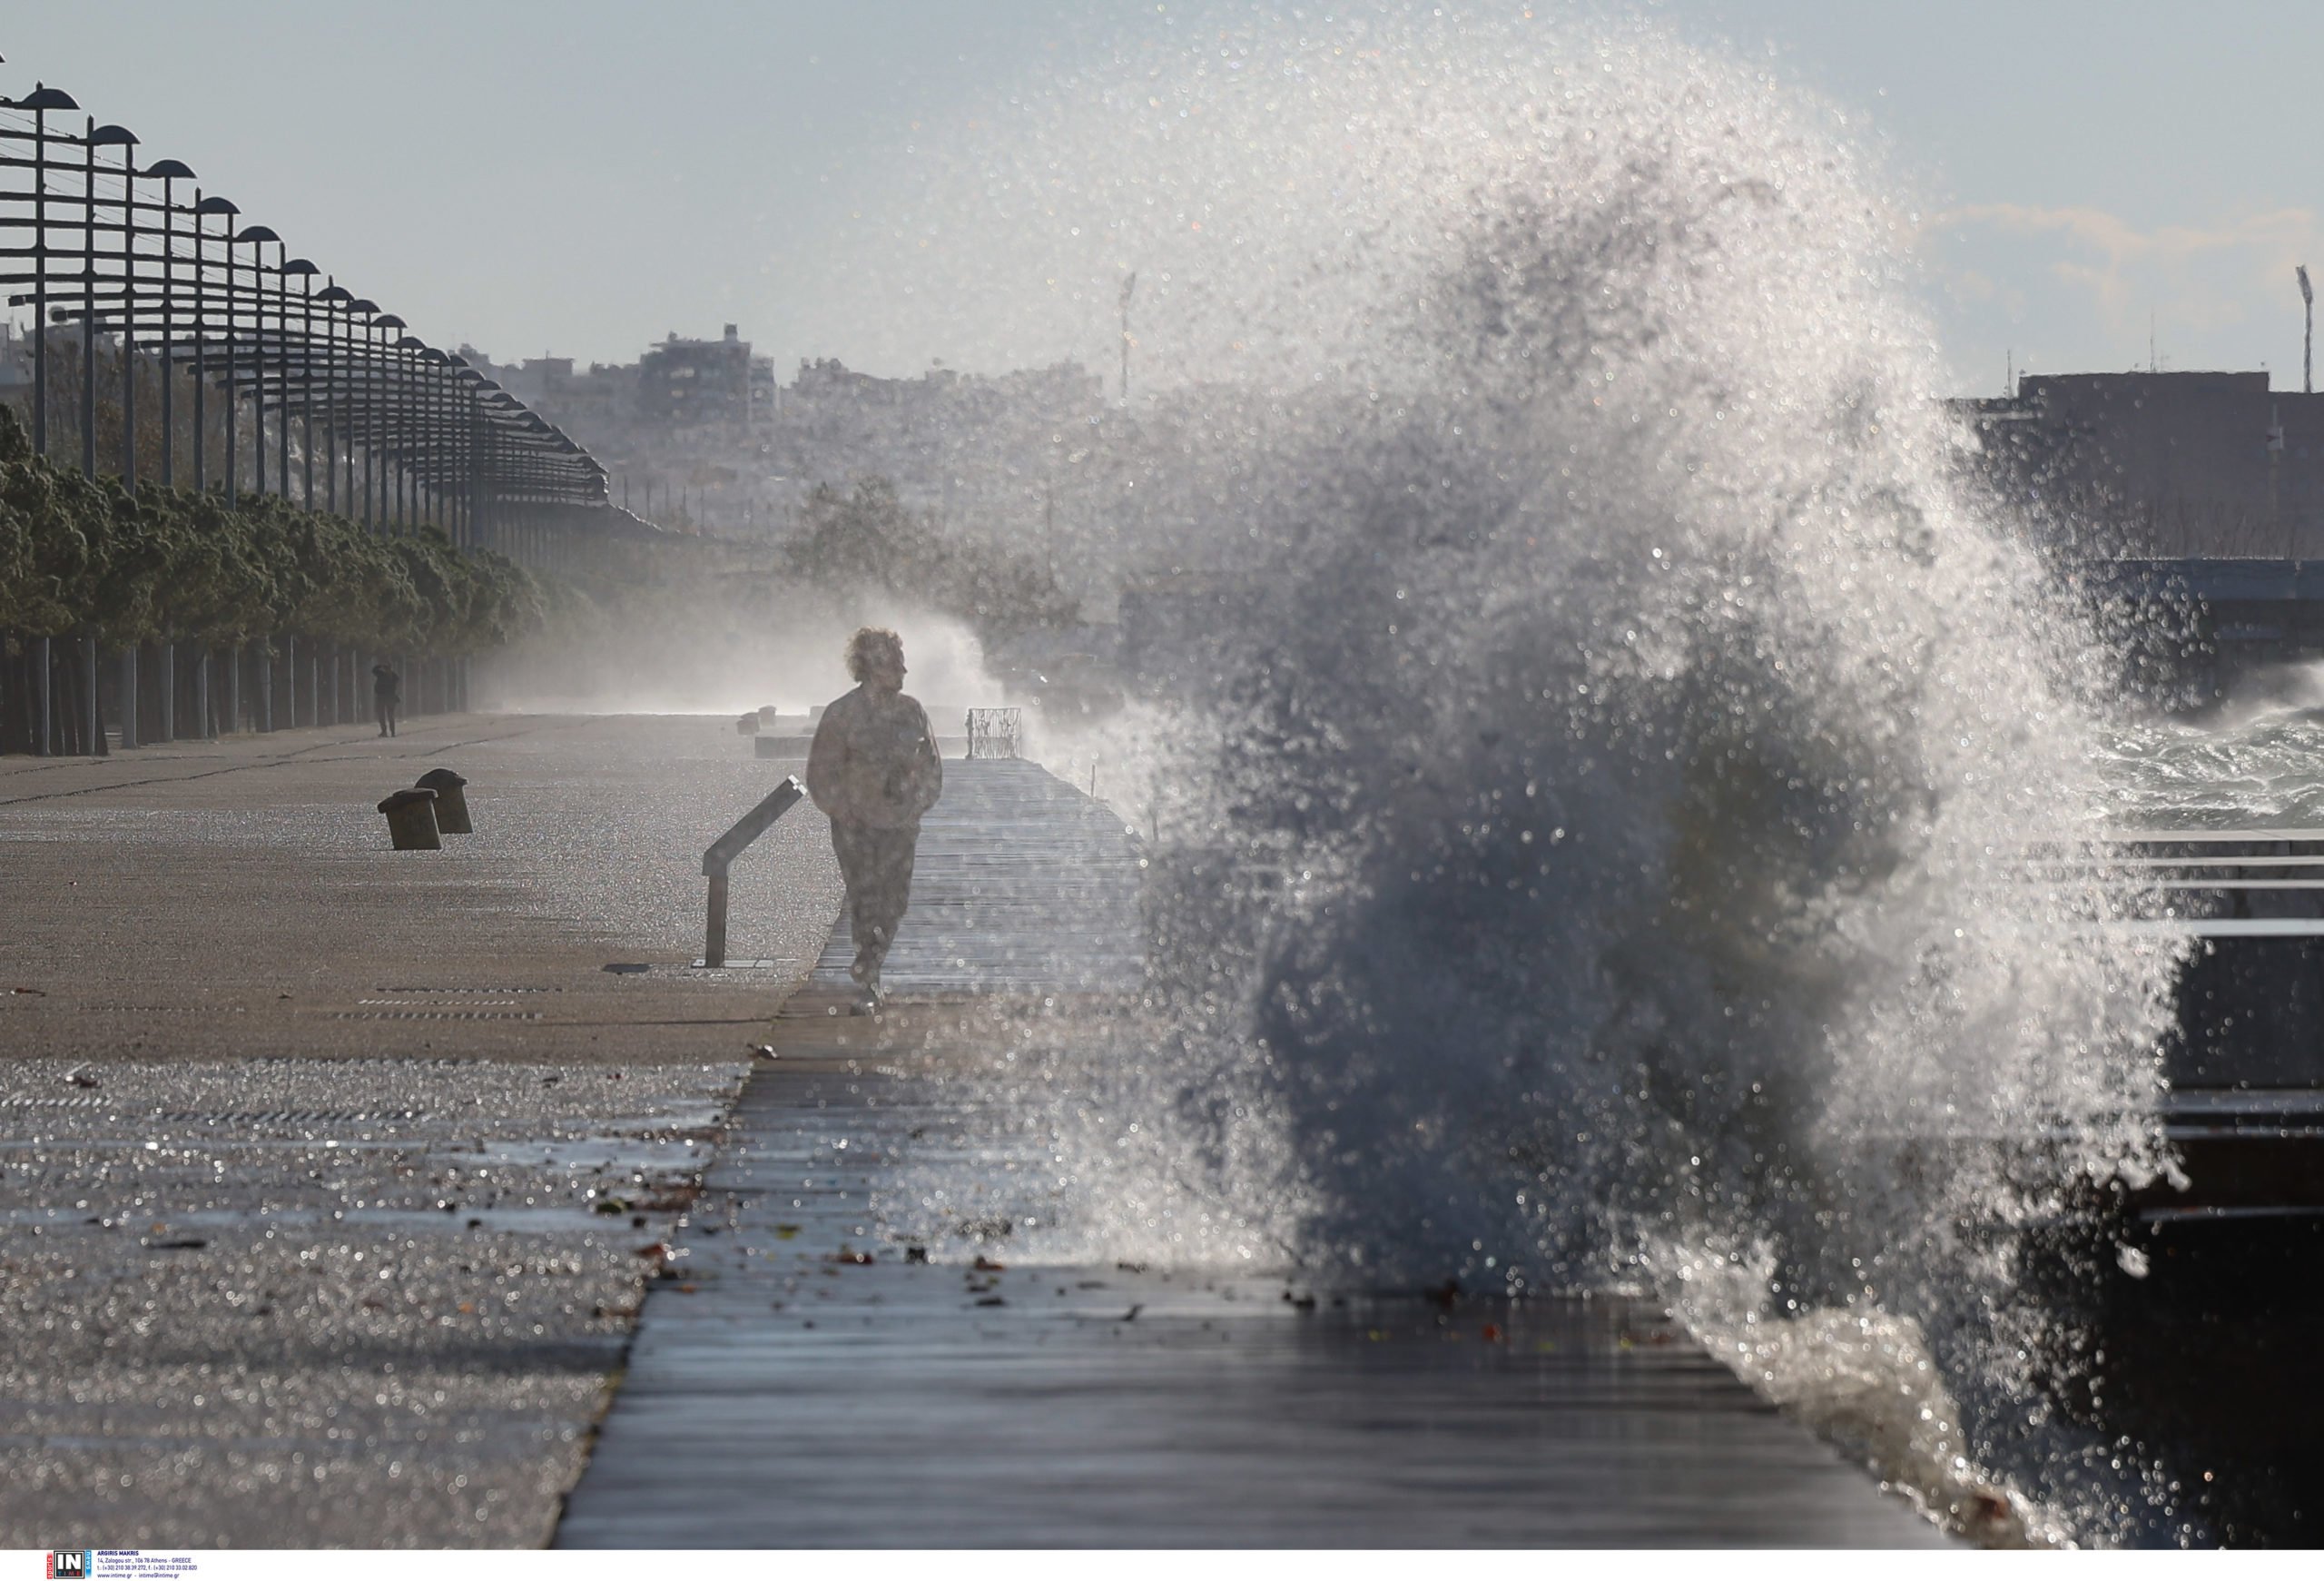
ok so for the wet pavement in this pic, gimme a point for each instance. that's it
(306, 1302)
(238, 898)
(822, 1375)
(331, 1176)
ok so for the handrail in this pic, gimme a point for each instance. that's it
(731, 844)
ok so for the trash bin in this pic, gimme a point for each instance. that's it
(451, 801)
(769, 714)
(411, 820)
(748, 725)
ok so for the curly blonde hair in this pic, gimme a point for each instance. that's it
(868, 646)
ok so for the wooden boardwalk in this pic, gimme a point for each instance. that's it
(1022, 885)
(802, 1381)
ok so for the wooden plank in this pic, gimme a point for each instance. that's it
(1022, 885)
(783, 1392)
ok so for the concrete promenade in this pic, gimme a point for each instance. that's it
(813, 1380)
(330, 1176)
(332, 1180)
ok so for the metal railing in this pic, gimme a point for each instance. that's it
(995, 732)
(731, 844)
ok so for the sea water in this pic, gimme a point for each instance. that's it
(1586, 849)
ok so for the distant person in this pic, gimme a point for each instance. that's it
(386, 691)
(874, 770)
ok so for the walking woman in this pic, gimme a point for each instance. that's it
(874, 771)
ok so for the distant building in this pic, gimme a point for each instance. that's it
(2159, 465)
(685, 384)
(698, 432)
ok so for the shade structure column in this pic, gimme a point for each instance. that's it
(89, 301)
(257, 236)
(334, 298)
(169, 173)
(204, 208)
(121, 137)
(366, 373)
(306, 271)
(281, 371)
(224, 209)
(41, 101)
(395, 456)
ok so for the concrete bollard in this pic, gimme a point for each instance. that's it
(411, 820)
(451, 801)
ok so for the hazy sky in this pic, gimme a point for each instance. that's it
(584, 176)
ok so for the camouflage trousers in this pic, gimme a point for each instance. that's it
(877, 865)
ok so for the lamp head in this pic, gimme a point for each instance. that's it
(300, 266)
(214, 204)
(257, 234)
(44, 97)
(112, 136)
(169, 170)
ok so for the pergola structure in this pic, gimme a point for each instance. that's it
(226, 363)
(321, 395)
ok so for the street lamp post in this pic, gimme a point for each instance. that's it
(202, 208)
(410, 350)
(121, 137)
(306, 271)
(111, 136)
(89, 299)
(369, 310)
(257, 236)
(169, 173)
(395, 463)
(334, 298)
(40, 102)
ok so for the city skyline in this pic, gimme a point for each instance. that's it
(2089, 187)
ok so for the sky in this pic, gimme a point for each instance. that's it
(2097, 185)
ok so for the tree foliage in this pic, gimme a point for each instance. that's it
(84, 554)
(866, 539)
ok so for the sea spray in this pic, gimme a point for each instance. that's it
(1595, 829)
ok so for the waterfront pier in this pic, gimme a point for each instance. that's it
(808, 1376)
